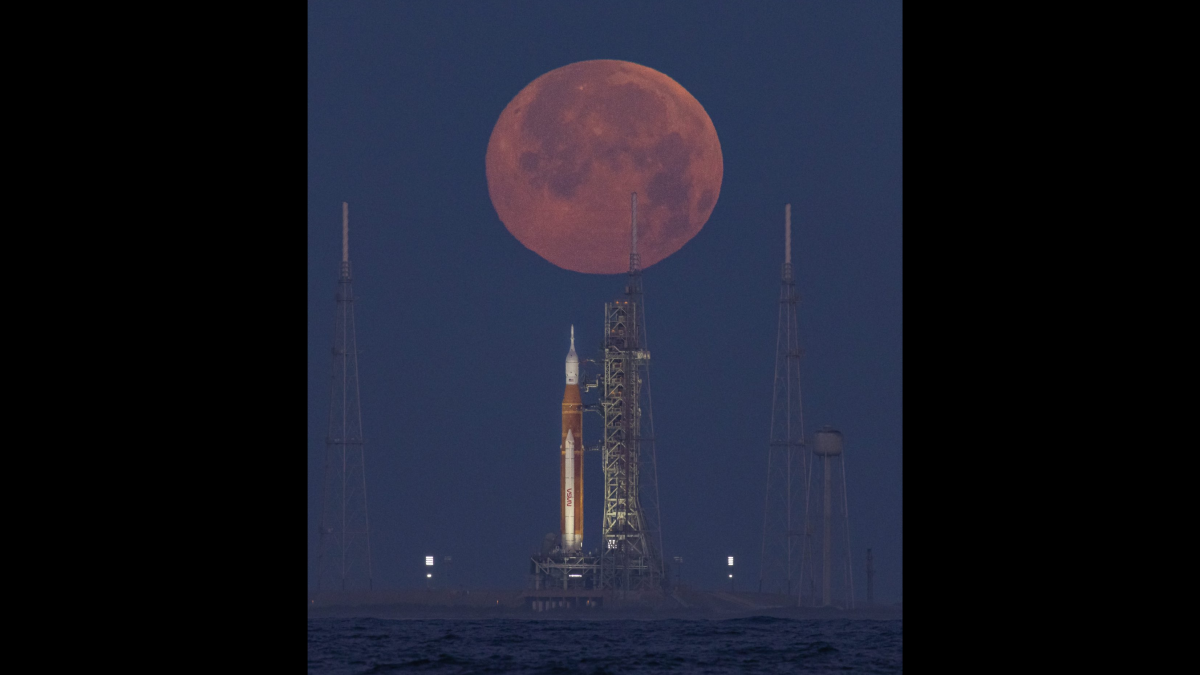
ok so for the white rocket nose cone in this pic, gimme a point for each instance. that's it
(572, 361)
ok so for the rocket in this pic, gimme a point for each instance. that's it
(571, 449)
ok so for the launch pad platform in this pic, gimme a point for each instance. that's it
(564, 571)
(563, 580)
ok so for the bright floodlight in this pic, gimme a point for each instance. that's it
(430, 576)
(730, 576)
(429, 561)
(577, 575)
(731, 561)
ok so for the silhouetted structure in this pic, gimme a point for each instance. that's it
(830, 521)
(786, 544)
(344, 545)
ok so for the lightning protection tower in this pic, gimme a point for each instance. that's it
(831, 523)
(344, 544)
(786, 545)
(632, 533)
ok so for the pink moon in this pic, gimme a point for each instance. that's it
(572, 146)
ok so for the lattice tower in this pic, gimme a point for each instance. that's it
(344, 544)
(631, 530)
(786, 544)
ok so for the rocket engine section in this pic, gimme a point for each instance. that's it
(571, 449)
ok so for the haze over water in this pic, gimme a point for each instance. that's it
(746, 645)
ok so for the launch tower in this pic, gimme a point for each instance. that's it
(344, 542)
(630, 558)
(631, 535)
(786, 544)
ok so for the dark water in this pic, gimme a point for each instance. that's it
(751, 645)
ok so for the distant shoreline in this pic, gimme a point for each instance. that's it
(682, 603)
(426, 613)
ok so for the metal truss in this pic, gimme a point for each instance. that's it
(786, 544)
(631, 559)
(625, 559)
(344, 543)
(645, 438)
(570, 572)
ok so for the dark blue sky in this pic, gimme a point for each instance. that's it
(463, 331)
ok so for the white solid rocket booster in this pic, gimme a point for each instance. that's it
(569, 484)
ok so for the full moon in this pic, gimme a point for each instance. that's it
(569, 150)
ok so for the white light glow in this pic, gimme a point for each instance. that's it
(429, 561)
(577, 575)
(731, 561)
(430, 576)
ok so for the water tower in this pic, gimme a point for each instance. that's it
(830, 523)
